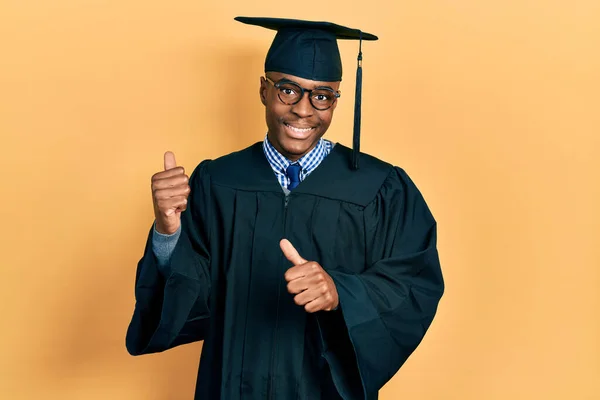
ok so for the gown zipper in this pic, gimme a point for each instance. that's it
(273, 350)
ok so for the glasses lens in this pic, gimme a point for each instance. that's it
(322, 99)
(289, 93)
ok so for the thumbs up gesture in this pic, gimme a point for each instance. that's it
(170, 191)
(313, 287)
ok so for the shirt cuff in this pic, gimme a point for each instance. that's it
(163, 246)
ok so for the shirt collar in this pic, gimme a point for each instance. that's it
(308, 162)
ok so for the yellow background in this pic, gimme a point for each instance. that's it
(493, 108)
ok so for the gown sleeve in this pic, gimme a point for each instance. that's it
(386, 310)
(173, 309)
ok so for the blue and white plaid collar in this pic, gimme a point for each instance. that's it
(309, 162)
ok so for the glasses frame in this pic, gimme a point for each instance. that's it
(278, 84)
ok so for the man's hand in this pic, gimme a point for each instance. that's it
(170, 191)
(313, 287)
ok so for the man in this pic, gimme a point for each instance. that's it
(307, 274)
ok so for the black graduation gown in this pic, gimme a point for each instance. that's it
(370, 229)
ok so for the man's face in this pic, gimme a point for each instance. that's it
(295, 129)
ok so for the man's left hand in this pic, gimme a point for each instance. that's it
(313, 287)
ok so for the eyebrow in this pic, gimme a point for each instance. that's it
(316, 87)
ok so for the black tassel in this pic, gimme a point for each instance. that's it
(357, 108)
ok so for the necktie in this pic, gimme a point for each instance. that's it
(293, 173)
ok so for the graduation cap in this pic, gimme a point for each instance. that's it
(309, 50)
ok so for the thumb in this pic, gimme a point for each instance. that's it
(170, 161)
(291, 253)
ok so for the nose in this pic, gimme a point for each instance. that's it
(303, 108)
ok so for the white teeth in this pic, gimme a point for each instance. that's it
(299, 130)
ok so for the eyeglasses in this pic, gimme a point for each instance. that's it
(290, 93)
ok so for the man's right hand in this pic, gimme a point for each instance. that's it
(170, 190)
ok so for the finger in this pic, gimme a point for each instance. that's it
(170, 161)
(298, 272)
(297, 285)
(167, 174)
(309, 270)
(290, 252)
(165, 194)
(170, 206)
(318, 304)
(180, 206)
(307, 296)
(173, 181)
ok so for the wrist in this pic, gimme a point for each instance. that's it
(165, 230)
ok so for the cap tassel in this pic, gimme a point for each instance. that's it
(357, 108)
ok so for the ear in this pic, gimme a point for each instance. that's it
(263, 90)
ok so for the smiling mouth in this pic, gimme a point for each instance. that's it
(298, 130)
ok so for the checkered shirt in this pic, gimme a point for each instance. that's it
(309, 162)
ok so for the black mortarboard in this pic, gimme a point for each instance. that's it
(309, 50)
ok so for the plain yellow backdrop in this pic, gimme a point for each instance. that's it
(493, 108)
